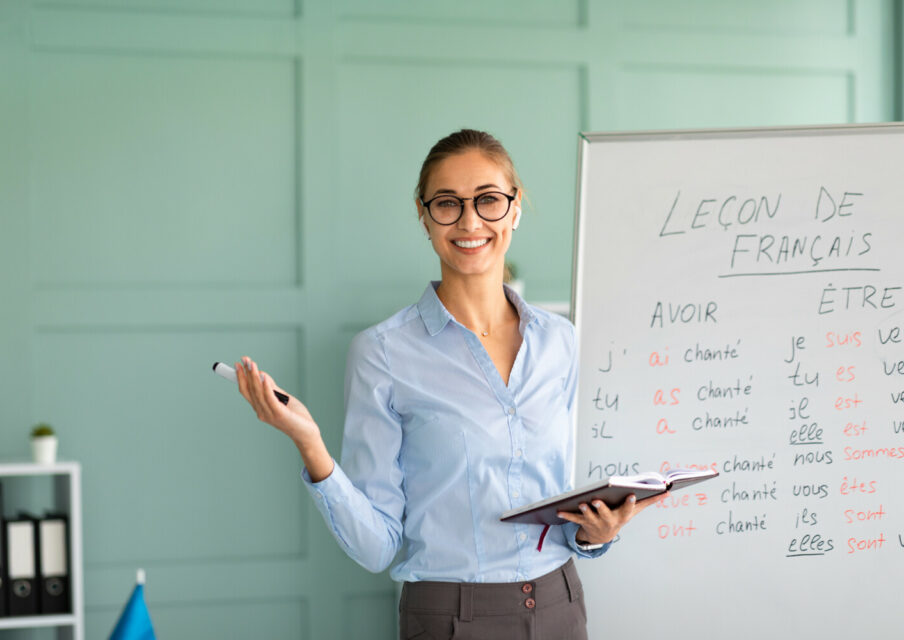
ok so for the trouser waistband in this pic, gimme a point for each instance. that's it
(469, 599)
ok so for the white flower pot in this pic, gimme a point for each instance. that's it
(518, 286)
(44, 449)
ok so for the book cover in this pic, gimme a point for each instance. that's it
(612, 491)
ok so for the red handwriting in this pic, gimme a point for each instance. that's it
(673, 502)
(851, 453)
(845, 374)
(663, 427)
(851, 516)
(676, 530)
(659, 396)
(857, 486)
(865, 544)
(840, 339)
(659, 359)
(854, 429)
(668, 466)
(670, 501)
(842, 403)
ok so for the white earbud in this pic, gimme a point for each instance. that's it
(517, 219)
(424, 225)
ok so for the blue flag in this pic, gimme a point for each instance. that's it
(135, 621)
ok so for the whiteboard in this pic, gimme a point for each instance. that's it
(738, 300)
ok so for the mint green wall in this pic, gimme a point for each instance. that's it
(183, 181)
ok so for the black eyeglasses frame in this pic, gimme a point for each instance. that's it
(461, 204)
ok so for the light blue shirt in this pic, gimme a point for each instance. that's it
(437, 447)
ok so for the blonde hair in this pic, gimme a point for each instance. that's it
(462, 141)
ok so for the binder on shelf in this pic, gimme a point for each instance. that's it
(53, 564)
(4, 579)
(21, 544)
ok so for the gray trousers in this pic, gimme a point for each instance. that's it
(549, 607)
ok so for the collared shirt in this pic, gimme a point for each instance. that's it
(437, 447)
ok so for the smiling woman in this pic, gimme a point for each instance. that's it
(458, 408)
(465, 213)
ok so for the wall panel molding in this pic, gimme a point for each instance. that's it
(495, 13)
(164, 34)
(237, 8)
(527, 45)
(764, 18)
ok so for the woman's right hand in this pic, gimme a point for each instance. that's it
(293, 418)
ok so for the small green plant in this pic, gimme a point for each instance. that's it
(41, 430)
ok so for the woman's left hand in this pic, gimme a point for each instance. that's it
(600, 524)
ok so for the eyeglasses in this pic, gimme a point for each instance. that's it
(447, 209)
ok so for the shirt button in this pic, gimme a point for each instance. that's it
(515, 494)
(522, 537)
(530, 603)
(511, 411)
(518, 453)
(527, 588)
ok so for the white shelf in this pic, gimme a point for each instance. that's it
(26, 622)
(555, 306)
(68, 499)
(18, 468)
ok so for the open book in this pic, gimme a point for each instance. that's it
(613, 491)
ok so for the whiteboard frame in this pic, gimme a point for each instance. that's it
(586, 139)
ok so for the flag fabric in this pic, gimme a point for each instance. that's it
(134, 622)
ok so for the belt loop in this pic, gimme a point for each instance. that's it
(572, 592)
(466, 591)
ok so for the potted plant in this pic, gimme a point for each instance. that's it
(43, 444)
(510, 277)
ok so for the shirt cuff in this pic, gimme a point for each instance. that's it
(335, 488)
(588, 546)
(570, 529)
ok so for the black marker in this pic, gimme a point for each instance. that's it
(229, 373)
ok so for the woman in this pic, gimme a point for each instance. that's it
(458, 409)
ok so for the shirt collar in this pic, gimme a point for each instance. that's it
(525, 312)
(432, 311)
(436, 317)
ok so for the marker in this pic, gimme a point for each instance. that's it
(228, 372)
